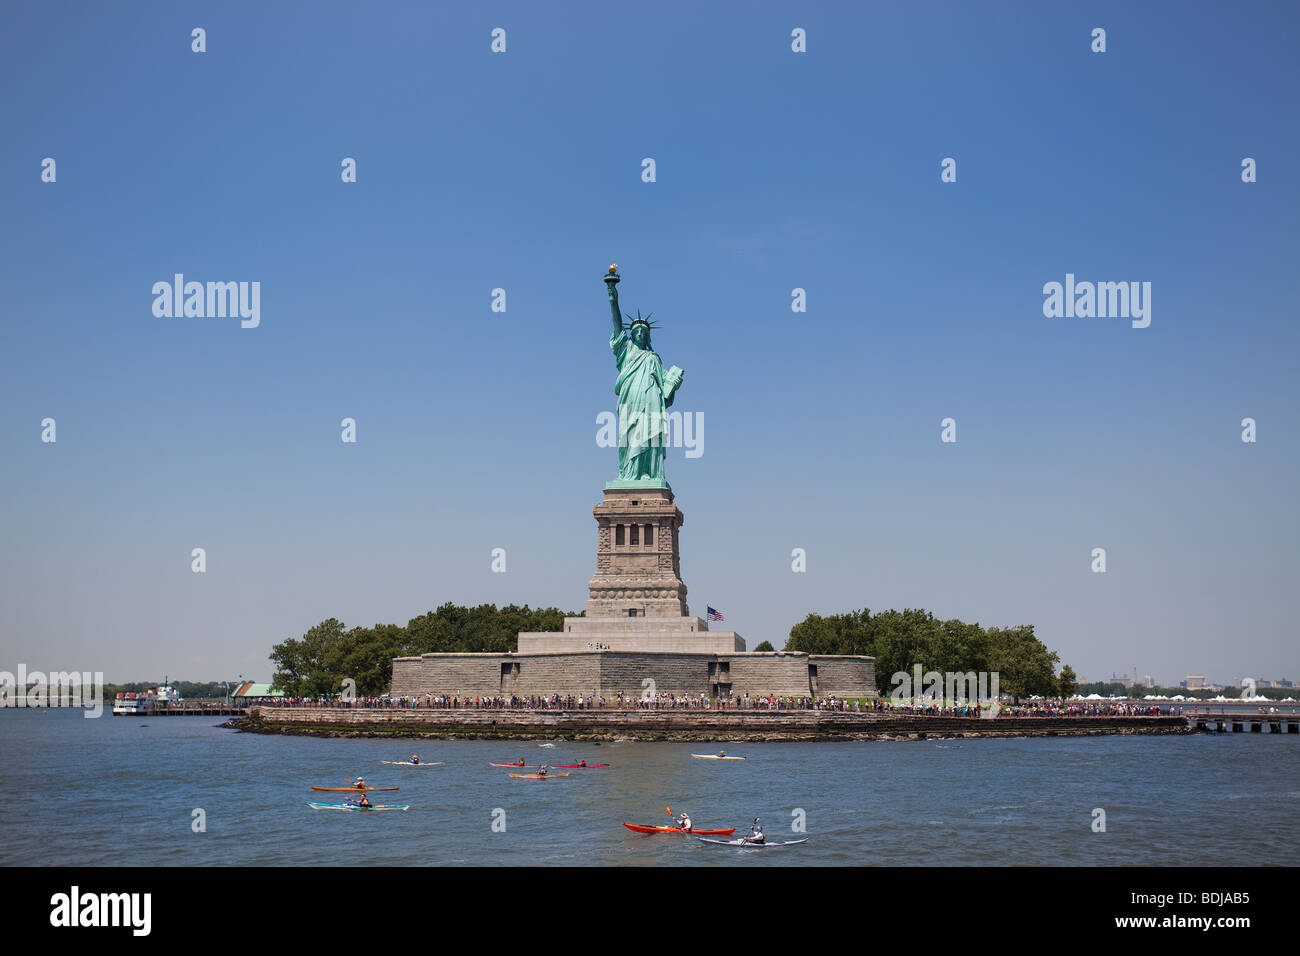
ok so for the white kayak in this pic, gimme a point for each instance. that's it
(744, 842)
(407, 763)
(715, 757)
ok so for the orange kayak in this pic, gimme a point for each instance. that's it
(636, 828)
(539, 776)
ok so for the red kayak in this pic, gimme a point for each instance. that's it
(580, 766)
(493, 763)
(640, 829)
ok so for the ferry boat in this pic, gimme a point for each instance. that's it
(149, 702)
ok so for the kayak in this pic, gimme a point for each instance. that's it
(353, 806)
(743, 842)
(539, 776)
(715, 757)
(493, 763)
(352, 789)
(637, 828)
(579, 766)
(407, 763)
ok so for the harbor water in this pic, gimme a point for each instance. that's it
(117, 791)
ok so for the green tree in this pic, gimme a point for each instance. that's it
(1023, 664)
(1067, 681)
(901, 640)
(836, 634)
(765, 646)
(301, 668)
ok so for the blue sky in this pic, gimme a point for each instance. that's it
(522, 170)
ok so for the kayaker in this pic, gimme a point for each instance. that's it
(684, 823)
(541, 771)
(364, 801)
(415, 759)
(582, 763)
(756, 833)
(361, 783)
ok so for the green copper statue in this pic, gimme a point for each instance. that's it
(644, 391)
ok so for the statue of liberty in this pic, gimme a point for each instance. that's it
(644, 392)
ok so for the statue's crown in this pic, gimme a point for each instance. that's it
(633, 323)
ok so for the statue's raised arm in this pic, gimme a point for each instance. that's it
(611, 283)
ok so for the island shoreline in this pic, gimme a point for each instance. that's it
(679, 725)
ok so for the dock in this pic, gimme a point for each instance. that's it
(192, 710)
(1224, 722)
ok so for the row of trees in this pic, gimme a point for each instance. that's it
(319, 661)
(898, 640)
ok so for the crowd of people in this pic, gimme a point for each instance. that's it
(1007, 707)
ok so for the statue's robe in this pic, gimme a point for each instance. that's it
(642, 419)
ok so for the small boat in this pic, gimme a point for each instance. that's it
(715, 757)
(353, 789)
(637, 828)
(353, 806)
(743, 842)
(407, 763)
(539, 776)
(493, 763)
(579, 766)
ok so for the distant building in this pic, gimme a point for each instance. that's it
(1195, 682)
(249, 689)
(1148, 681)
(1283, 682)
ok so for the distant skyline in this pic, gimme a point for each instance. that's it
(775, 171)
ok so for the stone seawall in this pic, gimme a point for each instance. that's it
(677, 724)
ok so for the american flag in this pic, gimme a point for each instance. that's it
(716, 615)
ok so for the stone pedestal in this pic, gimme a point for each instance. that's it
(636, 601)
(638, 565)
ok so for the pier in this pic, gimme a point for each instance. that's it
(192, 710)
(1224, 722)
